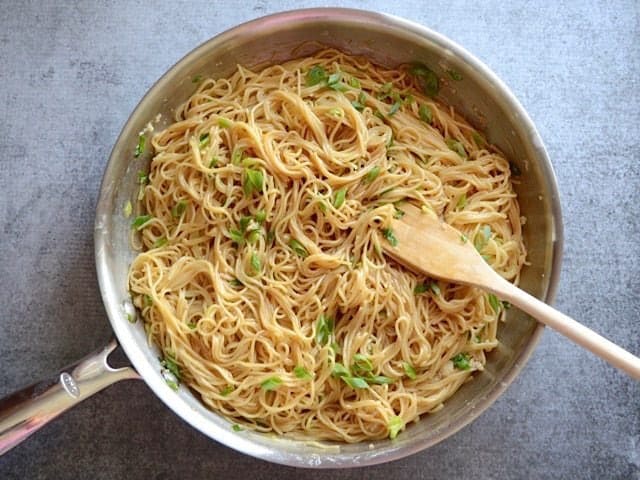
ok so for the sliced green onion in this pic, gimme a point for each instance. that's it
(236, 155)
(435, 288)
(236, 428)
(298, 248)
(463, 238)
(141, 221)
(271, 383)
(214, 162)
(336, 112)
(339, 370)
(237, 237)
(161, 242)
(253, 235)
(372, 174)
(192, 325)
(494, 302)
(172, 385)
(178, 209)
(409, 371)
(462, 202)
(482, 238)
(479, 139)
(131, 318)
(226, 390)
(224, 122)
(386, 87)
(398, 213)
(204, 140)
(394, 108)
(301, 372)
(506, 305)
(253, 181)
(427, 77)
(143, 178)
(420, 288)
(395, 425)
(322, 206)
(457, 76)
(244, 223)
(196, 79)
(361, 364)
(128, 209)
(316, 75)
(261, 216)
(169, 362)
(425, 114)
(339, 197)
(354, 82)
(142, 141)
(324, 329)
(355, 382)
(457, 147)
(461, 361)
(148, 301)
(391, 238)
(236, 283)
(361, 103)
(256, 264)
(380, 380)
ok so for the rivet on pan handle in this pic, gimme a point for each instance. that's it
(26, 411)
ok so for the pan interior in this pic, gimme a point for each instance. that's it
(389, 41)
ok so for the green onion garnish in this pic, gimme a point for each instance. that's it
(420, 288)
(196, 79)
(427, 78)
(131, 318)
(237, 237)
(462, 202)
(380, 380)
(148, 301)
(354, 82)
(355, 382)
(316, 75)
(261, 216)
(178, 209)
(479, 139)
(236, 155)
(301, 372)
(391, 238)
(253, 181)
(372, 174)
(143, 178)
(236, 283)
(395, 425)
(298, 248)
(339, 197)
(142, 140)
(463, 238)
(253, 235)
(224, 122)
(409, 371)
(236, 428)
(394, 108)
(482, 238)
(204, 140)
(128, 209)
(461, 361)
(256, 264)
(455, 75)
(494, 302)
(434, 288)
(169, 363)
(457, 147)
(398, 213)
(425, 114)
(161, 242)
(339, 370)
(192, 325)
(226, 390)
(271, 383)
(214, 162)
(324, 329)
(361, 364)
(141, 221)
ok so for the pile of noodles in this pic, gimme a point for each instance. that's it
(261, 275)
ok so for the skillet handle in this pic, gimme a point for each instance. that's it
(28, 410)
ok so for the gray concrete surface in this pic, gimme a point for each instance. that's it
(70, 74)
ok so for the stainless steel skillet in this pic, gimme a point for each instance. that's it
(479, 95)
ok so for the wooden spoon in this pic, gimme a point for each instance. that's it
(429, 246)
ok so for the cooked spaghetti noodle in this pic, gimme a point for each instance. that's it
(261, 275)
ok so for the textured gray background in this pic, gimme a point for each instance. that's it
(70, 74)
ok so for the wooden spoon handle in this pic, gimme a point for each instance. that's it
(587, 338)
